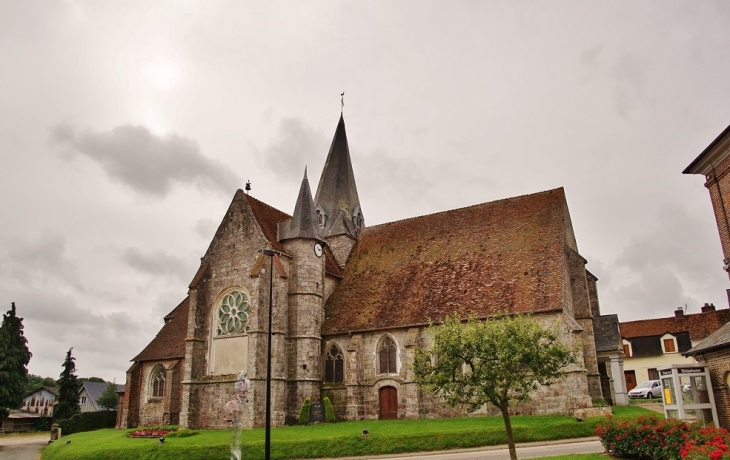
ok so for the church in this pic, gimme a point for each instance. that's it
(352, 303)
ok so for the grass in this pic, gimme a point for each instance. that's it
(331, 440)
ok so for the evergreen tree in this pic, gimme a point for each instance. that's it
(14, 358)
(109, 398)
(69, 387)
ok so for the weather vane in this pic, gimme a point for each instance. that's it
(342, 102)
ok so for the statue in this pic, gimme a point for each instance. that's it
(235, 409)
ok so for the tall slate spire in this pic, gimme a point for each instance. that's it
(337, 204)
(303, 223)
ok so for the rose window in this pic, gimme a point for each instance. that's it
(233, 314)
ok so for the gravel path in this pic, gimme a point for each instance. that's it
(22, 447)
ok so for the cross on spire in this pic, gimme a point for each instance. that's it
(342, 103)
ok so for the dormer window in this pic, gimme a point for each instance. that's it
(357, 220)
(669, 343)
(321, 216)
(627, 348)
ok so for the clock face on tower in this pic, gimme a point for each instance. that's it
(318, 250)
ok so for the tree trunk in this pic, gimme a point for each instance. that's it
(508, 429)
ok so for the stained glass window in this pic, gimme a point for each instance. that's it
(334, 366)
(387, 356)
(233, 314)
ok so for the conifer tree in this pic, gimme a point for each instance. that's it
(69, 387)
(14, 358)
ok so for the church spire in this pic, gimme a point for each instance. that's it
(303, 223)
(337, 204)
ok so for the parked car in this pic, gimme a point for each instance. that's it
(647, 389)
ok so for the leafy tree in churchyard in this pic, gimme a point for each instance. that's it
(69, 387)
(92, 379)
(499, 361)
(14, 358)
(33, 382)
(109, 398)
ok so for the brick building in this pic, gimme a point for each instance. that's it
(653, 343)
(714, 164)
(351, 304)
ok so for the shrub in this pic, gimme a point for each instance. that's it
(304, 412)
(707, 442)
(88, 421)
(329, 411)
(653, 438)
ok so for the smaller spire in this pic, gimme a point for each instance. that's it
(303, 223)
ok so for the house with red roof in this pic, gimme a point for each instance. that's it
(351, 304)
(653, 343)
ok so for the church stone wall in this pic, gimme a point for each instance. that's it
(361, 391)
(233, 261)
(341, 246)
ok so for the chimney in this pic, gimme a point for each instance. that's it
(707, 307)
(679, 313)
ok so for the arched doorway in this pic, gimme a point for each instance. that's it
(388, 403)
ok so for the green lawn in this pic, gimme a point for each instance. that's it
(330, 440)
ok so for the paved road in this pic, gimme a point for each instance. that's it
(529, 450)
(22, 447)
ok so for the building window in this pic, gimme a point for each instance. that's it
(334, 366)
(233, 314)
(386, 356)
(627, 348)
(653, 374)
(83, 400)
(157, 382)
(669, 346)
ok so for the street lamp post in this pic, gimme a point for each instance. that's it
(267, 442)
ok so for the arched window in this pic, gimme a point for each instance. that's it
(157, 382)
(233, 314)
(386, 356)
(334, 366)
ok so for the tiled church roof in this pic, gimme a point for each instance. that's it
(699, 325)
(506, 255)
(170, 341)
(268, 218)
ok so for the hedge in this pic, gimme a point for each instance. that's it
(88, 421)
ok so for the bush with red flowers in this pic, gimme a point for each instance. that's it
(644, 438)
(148, 433)
(707, 442)
(654, 438)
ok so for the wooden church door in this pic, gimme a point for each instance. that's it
(388, 403)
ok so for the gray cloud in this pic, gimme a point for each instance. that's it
(295, 145)
(147, 163)
(35, 261)
(158, 263)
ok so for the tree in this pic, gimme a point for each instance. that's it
(499, 361)
(109, 398)
(69, 387)
(33, 382)
(14, 359)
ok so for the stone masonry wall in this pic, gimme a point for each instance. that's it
(233, 262)
(306, 314)
(362, 383)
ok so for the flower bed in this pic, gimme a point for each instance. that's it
(652, 438)
(148, 433)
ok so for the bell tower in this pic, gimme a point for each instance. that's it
(337, 205)
(303, 241)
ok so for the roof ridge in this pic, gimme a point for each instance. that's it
(368, 228)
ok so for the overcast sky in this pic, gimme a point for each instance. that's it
(127, 126)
